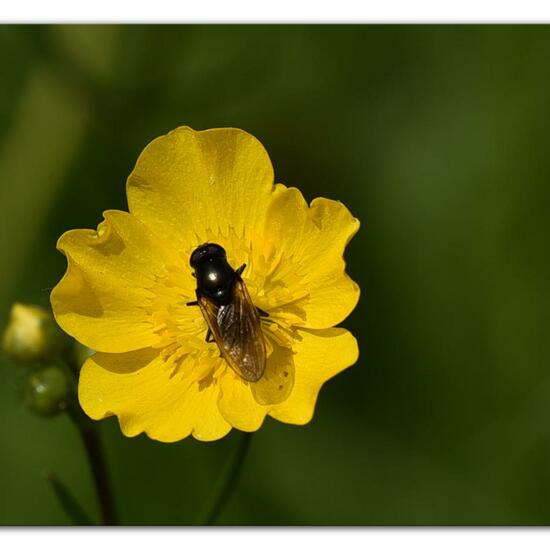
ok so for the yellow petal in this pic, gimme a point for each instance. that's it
(139, 389)
(103, 298)
(237, 403)
(311, 243)
(278, 379)
(186, 183)
(320, 355)
(244, 405)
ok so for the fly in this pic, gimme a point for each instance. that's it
(233, 320)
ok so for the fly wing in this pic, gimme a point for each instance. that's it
(237, 330)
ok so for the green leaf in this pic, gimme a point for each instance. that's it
(67, 501)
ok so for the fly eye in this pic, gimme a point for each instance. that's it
(215, 250)
(195, 257)
(206, 251)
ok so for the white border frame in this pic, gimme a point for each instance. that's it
(280, 11)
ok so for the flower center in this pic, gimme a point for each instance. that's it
(274, 287)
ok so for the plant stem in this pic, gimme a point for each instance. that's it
(96, 459)
(227, 481)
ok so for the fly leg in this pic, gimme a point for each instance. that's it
(240, 270)
(209, 337)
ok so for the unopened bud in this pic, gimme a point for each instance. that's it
(32, 335)
(48, 391)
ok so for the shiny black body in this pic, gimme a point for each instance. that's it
(215, 277)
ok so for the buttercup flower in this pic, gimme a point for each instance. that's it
(127, 286)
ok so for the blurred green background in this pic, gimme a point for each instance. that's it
(436, 137)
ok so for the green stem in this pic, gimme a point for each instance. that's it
(92, 445)
(227, 481)
(98, 467)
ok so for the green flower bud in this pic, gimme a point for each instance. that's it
(32, 335)
(48, 391)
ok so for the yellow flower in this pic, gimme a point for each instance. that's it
(127, 285)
